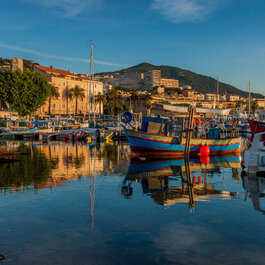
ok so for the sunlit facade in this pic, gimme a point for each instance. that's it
(64, 81)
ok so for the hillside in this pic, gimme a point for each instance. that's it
(28, 64)
(200, 83)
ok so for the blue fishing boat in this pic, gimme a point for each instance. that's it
(146, 143)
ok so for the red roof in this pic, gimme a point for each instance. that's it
(52, 70)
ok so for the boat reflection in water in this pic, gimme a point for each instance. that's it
(179, 181)
(255, 190)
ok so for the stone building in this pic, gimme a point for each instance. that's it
(64, 81)
(17, 64)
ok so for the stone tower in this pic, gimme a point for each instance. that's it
(17, 64)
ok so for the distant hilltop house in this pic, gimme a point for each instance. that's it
(64, 80)
(15, 64)
(146, 81)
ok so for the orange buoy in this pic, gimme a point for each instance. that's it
(199, 180)
(205, 150)
(205, 159)
(194, 180)
(197, 122)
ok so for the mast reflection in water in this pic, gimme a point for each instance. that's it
(177, 181)
(89, 204)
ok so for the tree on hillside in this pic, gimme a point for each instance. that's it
(25, 91)
(6, 88)
(77, 93)
(101, 100)
(54, 94)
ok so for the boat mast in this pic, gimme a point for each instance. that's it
(93, 82)
(249, 98)
(90, 82)
(217, 92)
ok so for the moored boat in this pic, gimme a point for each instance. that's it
(151, 145)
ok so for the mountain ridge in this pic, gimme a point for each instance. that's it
(199, 82)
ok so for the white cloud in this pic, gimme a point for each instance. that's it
(68, 8)
(65, 58)
(179, 11)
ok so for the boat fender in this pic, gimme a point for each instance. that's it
(197, 122)
(126, 117)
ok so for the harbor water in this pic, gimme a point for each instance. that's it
(64, 203)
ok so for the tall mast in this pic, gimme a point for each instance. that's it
(217, 91)
(90, 82)
(249, 97)
(92, 78)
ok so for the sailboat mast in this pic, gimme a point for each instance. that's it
(249, 97)
(93, 83)
(90, 83)
(217, 91)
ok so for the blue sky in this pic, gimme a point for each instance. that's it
(211, 37)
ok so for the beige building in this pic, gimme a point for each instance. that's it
(64, 81)
(170, 83)
(17, 64)
(233, 98)
(147, 80)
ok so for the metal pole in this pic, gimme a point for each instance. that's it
(90, 81)
(10, 116)
(249, 98)
(217, 92)
(189, 131)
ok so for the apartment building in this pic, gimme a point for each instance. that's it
(147, 80)
(170, 83)
(64, 80)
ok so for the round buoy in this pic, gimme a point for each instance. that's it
(205, 159)
(126, 117)
(205, 150)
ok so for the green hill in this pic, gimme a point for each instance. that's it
(200, 83)
(28, 64)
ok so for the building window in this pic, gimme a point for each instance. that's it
(63, 106)
(63, 83)
(54, 105)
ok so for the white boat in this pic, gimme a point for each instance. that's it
(254, 157)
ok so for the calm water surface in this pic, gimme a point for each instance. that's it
(84, 204)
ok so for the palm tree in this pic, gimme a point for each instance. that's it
(148, 102)
(100, 99)
(54, 94)
(254, 106)
(66, 95)
(134, 96)
(77, 92)
(113, 95)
